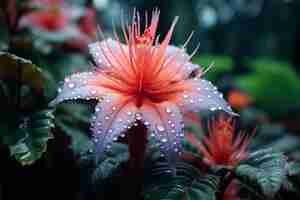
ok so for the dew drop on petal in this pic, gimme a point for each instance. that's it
(164, 140)
(146, 123)
(71, 85)
(160, 128)
(168, 110)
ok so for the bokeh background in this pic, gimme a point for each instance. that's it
(254, 45)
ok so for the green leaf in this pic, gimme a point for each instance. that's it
(293, 181)
(35, 133)
(271, 84)
(188, 183)
(115, 157)
(73, 119)
(222, 65)
(12, 66)
(264, 170)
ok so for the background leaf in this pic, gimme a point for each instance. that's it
(264, 170)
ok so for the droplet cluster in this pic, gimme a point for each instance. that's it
(205, 96)
(76, 87)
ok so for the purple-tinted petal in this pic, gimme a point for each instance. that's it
(203, 96)
(76, 87)
(113, 115)
(102, 51)
(181, 58)
(165, 124)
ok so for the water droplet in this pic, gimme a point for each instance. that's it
(59, 90)
(213, 109)
(114, 108)
(97, 109)
(173, 125)
(160, 128)
(129, 113)
(185, 96)
(191, 101)
(120, 120)
(115, 139)
(152, 135)
(146, 123)
(168, 110)
(198, 88)
(71, 85)
(110, 130)
(67, 80)
(164, 140)
(138, 116)
(107, 117)
(208, 96)
(176, 149)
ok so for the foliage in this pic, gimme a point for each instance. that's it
(271, 84)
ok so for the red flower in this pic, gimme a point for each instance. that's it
(239, 100)
(87, 29)
(88, 24)
(221, 146)
(49, 18)
(143, 81)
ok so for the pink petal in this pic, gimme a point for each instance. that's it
(114, 114)
(76, 87)
(105, 52)
(202, 96)
(166, 126)
(180, 59)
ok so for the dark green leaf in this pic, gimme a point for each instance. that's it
(11, 67)
(33, 134)
(264, 170)
(115, 157)
(188, 183)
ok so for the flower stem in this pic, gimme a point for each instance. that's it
(137, 141)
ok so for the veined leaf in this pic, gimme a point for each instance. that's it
(115, 157)
(16, 68)
(188, 183)
(35, 132)
(265, 170)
